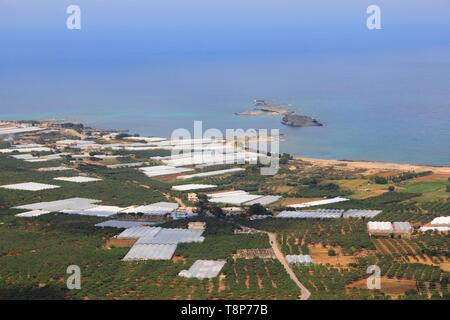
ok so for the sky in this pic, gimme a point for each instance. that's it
(125, 33)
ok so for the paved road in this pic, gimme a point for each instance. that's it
(274, 244)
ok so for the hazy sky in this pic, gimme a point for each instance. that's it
(33, 33)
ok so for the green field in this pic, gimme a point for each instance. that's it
(431, 190)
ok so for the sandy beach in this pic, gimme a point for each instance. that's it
(376, 167)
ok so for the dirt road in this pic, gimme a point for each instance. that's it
(274, 244)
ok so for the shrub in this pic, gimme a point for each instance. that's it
(380, 180)
(257, 209)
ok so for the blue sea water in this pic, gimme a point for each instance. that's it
(152, 67)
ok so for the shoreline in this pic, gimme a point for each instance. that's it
(375, 165)
(367, 165)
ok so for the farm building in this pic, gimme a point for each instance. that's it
(172, 236)
(203, 269)
(211, 158)
(241, 198)
(236, 200)
(139, 148)
(25, 156)
(138, 232)
(210, 173)
(157, 209)
(299, 259)
(329, 213)
(208, 148)
(264, 200)
(78, 179)
(26, 146)
(379, 228)
(50, 169)
(156, 171)
(96, 211)
(156, 243)
(123, 224)
(60, 205)
(435, 229)
(31, 158)
(357, 213)
(12, 128)
(33, 213)
(73, 142)
(402, 228)
(29, 186)
(229, 193)
(107, 156)
(46, 158)
(440, 222)
(79, 156)
(80, 206)
(126, 165)
(26, 149)
(146, 139)
(189, 143)
(312, 214)
(188, 187)
(150, 252)
(318, 203)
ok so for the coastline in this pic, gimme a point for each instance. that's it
(373, 166)
(370, 166)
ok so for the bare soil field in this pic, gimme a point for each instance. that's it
(179, 259)
(118, 243)
(281, 188)
(373, 166)
(392, 287)
(319, 255)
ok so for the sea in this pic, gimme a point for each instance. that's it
(155, 66)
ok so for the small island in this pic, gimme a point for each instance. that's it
(290, 118)
(295, 120)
